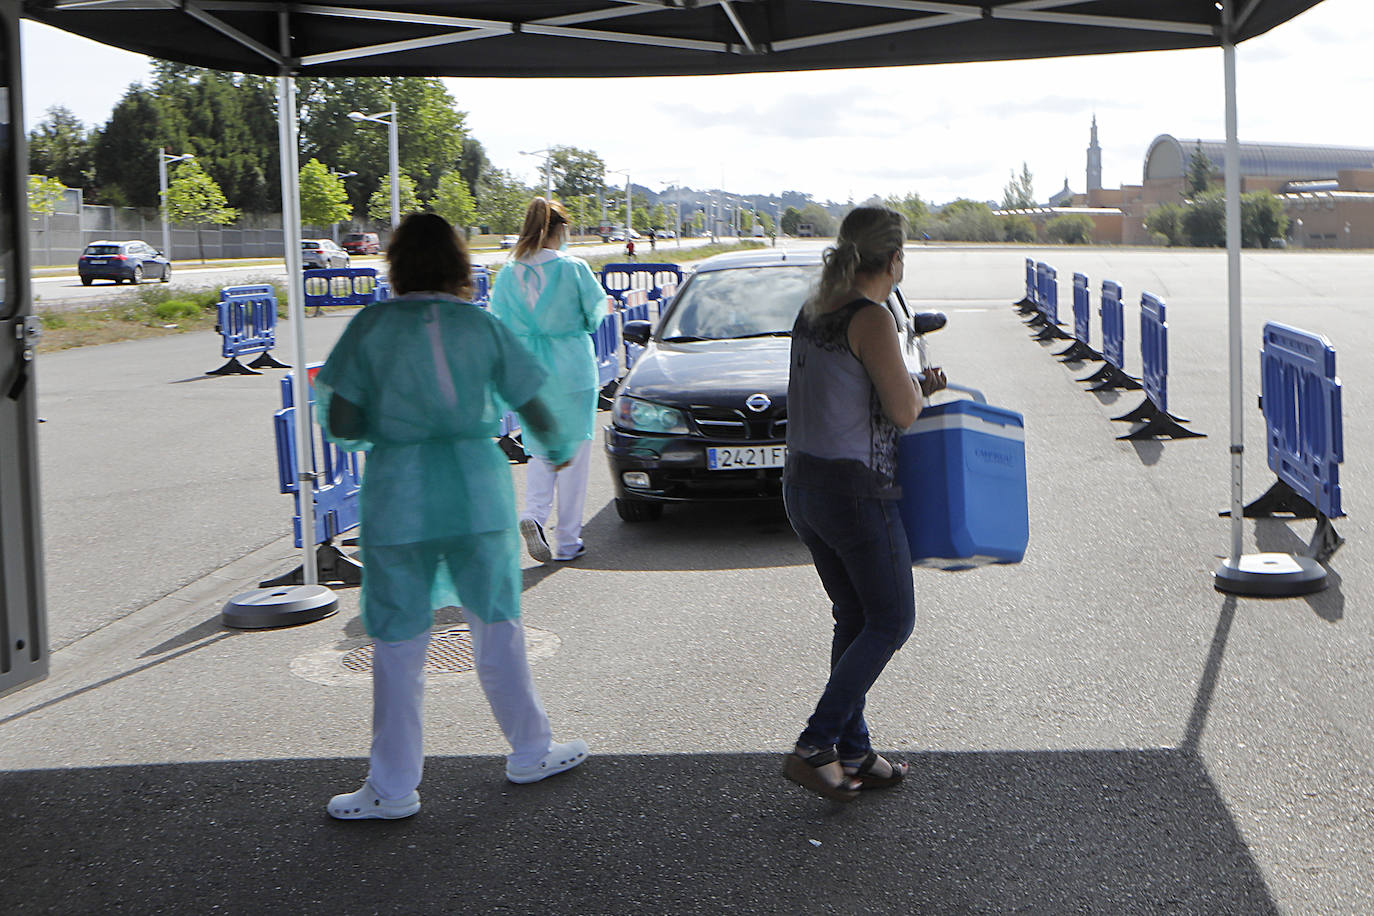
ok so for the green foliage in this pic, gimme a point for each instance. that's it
(379, 204)
(913, 208)
(44, 194)
(1199, 178)
(324, 199)
(124, 159)
(576, 172)
(1018, 228)
(820, 219)
(473, 164)
(1071, 229)
(966, 220)
(454, 202)
(194, 197)
(60, 146)
(1204, 221)
(501, 206)
(791, 218)
(1261, 219)
(1166, 221)
(1019, 193)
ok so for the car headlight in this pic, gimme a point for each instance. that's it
(648, 417)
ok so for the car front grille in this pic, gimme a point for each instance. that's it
(728, 423)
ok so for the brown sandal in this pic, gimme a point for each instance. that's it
(821, 773)
(862, 771)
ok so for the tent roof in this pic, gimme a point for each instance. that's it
(514, 38)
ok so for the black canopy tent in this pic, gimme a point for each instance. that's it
(593, 38)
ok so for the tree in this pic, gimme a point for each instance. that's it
(967, 221)
(1071, 229)
(60, 147)
(576, 172)
(194, 197)
(453, 201)
(379, 204)
(1019, 193)
(501, 208)
(1166, 221)
(1204, 221)
(1261, 218)
(791, 219)
(913, 209)
(473, 163)
(1018, 228)
(820, 219)
(44, 194)
(324, 199)
(124, 156)
(1199, 178)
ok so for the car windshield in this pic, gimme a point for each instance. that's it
(310, 245)
(102, 249)
(739, 302)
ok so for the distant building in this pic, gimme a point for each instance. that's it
(1063, 197)
(1327, 191)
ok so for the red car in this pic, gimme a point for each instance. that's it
(362, 243)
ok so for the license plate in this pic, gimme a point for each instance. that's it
(745, 457)
(97, 261)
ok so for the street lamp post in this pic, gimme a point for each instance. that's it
(389, 119)
(629, 226)
(548, 169)
(163, 159)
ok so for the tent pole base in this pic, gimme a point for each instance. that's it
(1270, 575)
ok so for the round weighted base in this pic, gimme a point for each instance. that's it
(263, 608)
(1270, 575)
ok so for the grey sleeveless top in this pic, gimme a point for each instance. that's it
(837, 434)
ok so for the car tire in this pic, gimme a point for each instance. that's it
(637, 510)
(86, 281)
(138, 274)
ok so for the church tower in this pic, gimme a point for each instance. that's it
(1094, 161)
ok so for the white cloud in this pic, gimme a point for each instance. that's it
(942, 131)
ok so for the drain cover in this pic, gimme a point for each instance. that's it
(449, 652)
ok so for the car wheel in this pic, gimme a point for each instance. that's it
(637, 510)
(166, 273)
(138, 273)
(85, 281)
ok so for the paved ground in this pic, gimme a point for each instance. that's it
(1094, 730)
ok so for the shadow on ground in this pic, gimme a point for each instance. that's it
(1126, 831)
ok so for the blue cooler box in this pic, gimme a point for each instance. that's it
(962, 469)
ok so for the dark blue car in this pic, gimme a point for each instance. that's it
(122, 261)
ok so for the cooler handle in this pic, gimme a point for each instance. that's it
(971, 392)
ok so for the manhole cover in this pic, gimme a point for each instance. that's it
(449, 652)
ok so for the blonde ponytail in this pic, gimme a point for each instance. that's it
(542, 219)
(867, 239)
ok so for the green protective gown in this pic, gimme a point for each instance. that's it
(553, 302)
(431, 375)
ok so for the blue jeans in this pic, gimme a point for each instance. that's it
(861, 553)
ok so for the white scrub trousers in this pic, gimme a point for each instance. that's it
(398, 693)
(541, 482)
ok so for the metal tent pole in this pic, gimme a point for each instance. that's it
(1259, 574)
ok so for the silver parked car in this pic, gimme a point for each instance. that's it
(321, 254)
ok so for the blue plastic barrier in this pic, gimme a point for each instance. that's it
(1153, 413)
(618, 279)
(1047, 298)
(606, 343)
(1081, 348)
(1112, 375)
(340, 286)
(481, 286)
(246, 318)
(1028, 301)
(1301, 400)
(338, 473)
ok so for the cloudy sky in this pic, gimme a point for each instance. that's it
(941, 131)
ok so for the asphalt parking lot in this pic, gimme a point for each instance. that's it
(1094, 730)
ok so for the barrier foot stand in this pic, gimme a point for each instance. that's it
(515, 452)
(1280, 499)
(1037, 320)
(279, 606)
(1146, 412)
(233, 367)
(1161, 426)
(1270, 575)
(331, 565)
(266, 360)
(1025, 306)
(1325, 541)
(1053, 332)
(1110, 378)
(1079, 352)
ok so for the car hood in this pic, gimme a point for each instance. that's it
(714, 372)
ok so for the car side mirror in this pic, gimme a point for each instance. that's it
(637, 332)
